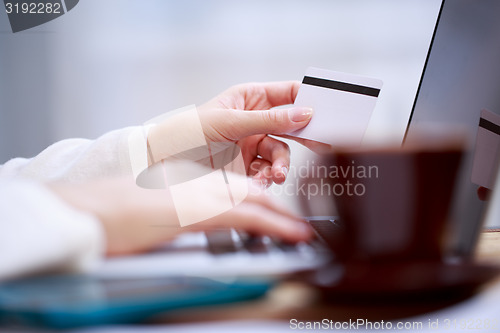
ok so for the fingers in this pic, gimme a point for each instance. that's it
(257, 218)
(269, 94)
(263, 221)
(278, 153)
(315, 146)
(235, 124)
(243, 110)
(268, 159)
(264, 198)
(259, 214)
(483, 193)
(260, 170)
(275, 121)
(281, 93)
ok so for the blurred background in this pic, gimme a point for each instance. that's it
(110, 64)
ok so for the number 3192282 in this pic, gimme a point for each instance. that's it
(33, 8)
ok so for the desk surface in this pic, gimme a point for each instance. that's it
(299, 301)
(293, 300)
(489, 247)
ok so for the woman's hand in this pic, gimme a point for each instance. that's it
(242, 115)
(136, 219)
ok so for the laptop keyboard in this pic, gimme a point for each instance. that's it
(223, 253)
(226, 241)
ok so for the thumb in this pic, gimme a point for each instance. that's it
(275, 121)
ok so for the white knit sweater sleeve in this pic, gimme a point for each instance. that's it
(39, 232)
(76, 160)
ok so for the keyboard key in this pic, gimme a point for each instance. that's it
(285, 247)
(327, 230)
(221, 241)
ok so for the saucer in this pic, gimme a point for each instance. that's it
(401, 280)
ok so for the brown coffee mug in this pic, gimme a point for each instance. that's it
(393, 201)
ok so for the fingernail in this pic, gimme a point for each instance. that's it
(260, 180)
(266, 182)
(300, 114)
(263, 181)
(303, 228)
(284, 171)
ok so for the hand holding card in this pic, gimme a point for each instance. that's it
(342, 104)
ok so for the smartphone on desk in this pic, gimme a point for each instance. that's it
(72, 301)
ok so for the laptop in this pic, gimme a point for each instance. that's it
(460, 85)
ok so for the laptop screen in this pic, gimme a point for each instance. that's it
(460, 87)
